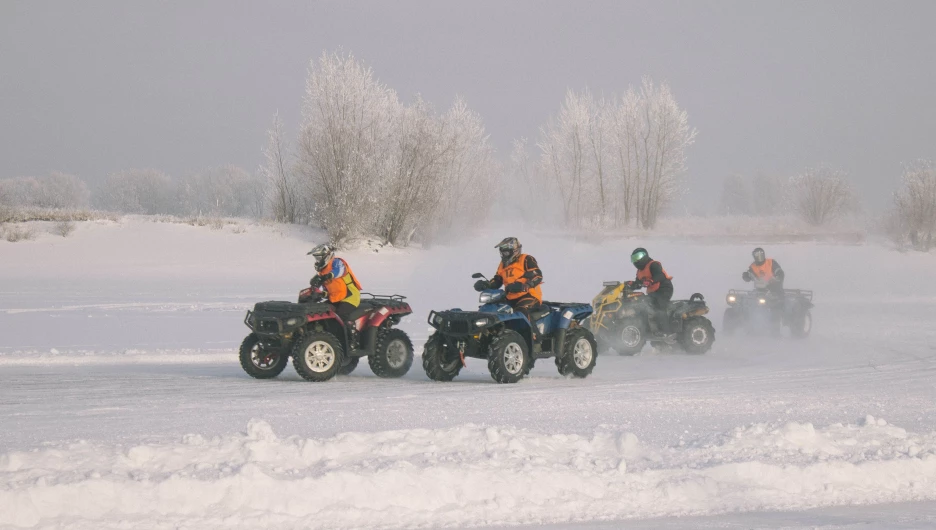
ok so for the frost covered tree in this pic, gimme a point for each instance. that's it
(663, 135)
(346, 124)
(914, 213)
(468, 173)
(376, 167)
(56, 191)
(287, 197)
(769, 194)
(522, 179)
(821, 195)
(223, 191)
(616, 161)
(736, 196)
(141, 191)
(564, 146)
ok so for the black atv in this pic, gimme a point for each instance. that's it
(764, 311)
(321, 345)
(622, 321)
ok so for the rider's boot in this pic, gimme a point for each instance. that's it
(352, 336)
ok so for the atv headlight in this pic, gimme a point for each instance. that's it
(761, 301)
(487, 297)
(292, 322)
(481, 322)
(437, 320)
(731, 298)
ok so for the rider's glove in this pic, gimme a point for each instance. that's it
(516, 287)
(481, 285)
(315, 281)
(746, 276)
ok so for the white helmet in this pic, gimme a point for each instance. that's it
(323, 255)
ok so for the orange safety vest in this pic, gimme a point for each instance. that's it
(514, 273)
(346, 288)
(764, 271)
(644, 276)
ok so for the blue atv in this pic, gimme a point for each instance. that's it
(508, 341)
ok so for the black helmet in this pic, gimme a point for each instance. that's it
(509, 249)
(639, 257)
(323, 255)
(759, 255)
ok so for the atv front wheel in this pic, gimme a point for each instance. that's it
(393, 355)
(630, 337)
(508, 357)
(802, 325)
(436, 363)
(697, 336)
(258, 363)
(317, 357)
(579, 353)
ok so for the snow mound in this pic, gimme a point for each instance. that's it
(467, 475)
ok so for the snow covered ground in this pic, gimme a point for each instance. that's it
(123, 406)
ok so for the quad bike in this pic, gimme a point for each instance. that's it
(767, 311)
(320, 343)
(508, 340)
(622, 320)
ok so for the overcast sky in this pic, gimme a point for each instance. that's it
(93, 87)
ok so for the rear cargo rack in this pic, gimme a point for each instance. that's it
(805, 293)
(394, 297)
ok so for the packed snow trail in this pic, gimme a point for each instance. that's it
(120, 392)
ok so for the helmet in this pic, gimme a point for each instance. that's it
(759, 255)
(639, 257)
(323, 255)
(509, 249)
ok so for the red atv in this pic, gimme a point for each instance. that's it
(320, 343)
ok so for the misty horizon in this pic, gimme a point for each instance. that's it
(771, 88)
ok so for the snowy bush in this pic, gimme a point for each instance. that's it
(63, 228)
(820, 195)
(613, 162)
(913, 218)
(14, 233)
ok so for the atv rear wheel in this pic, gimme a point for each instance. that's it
(697, 335)
(317, 357)
(508, 357)
(393, 355)
(630, 337)
(801, 325)
(436, 363)
(579, 353)
(349, 366)
(260, 364)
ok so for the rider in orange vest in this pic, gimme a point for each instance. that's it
(335, 276)
(765, 273)
(519, 274)
(659, 284)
